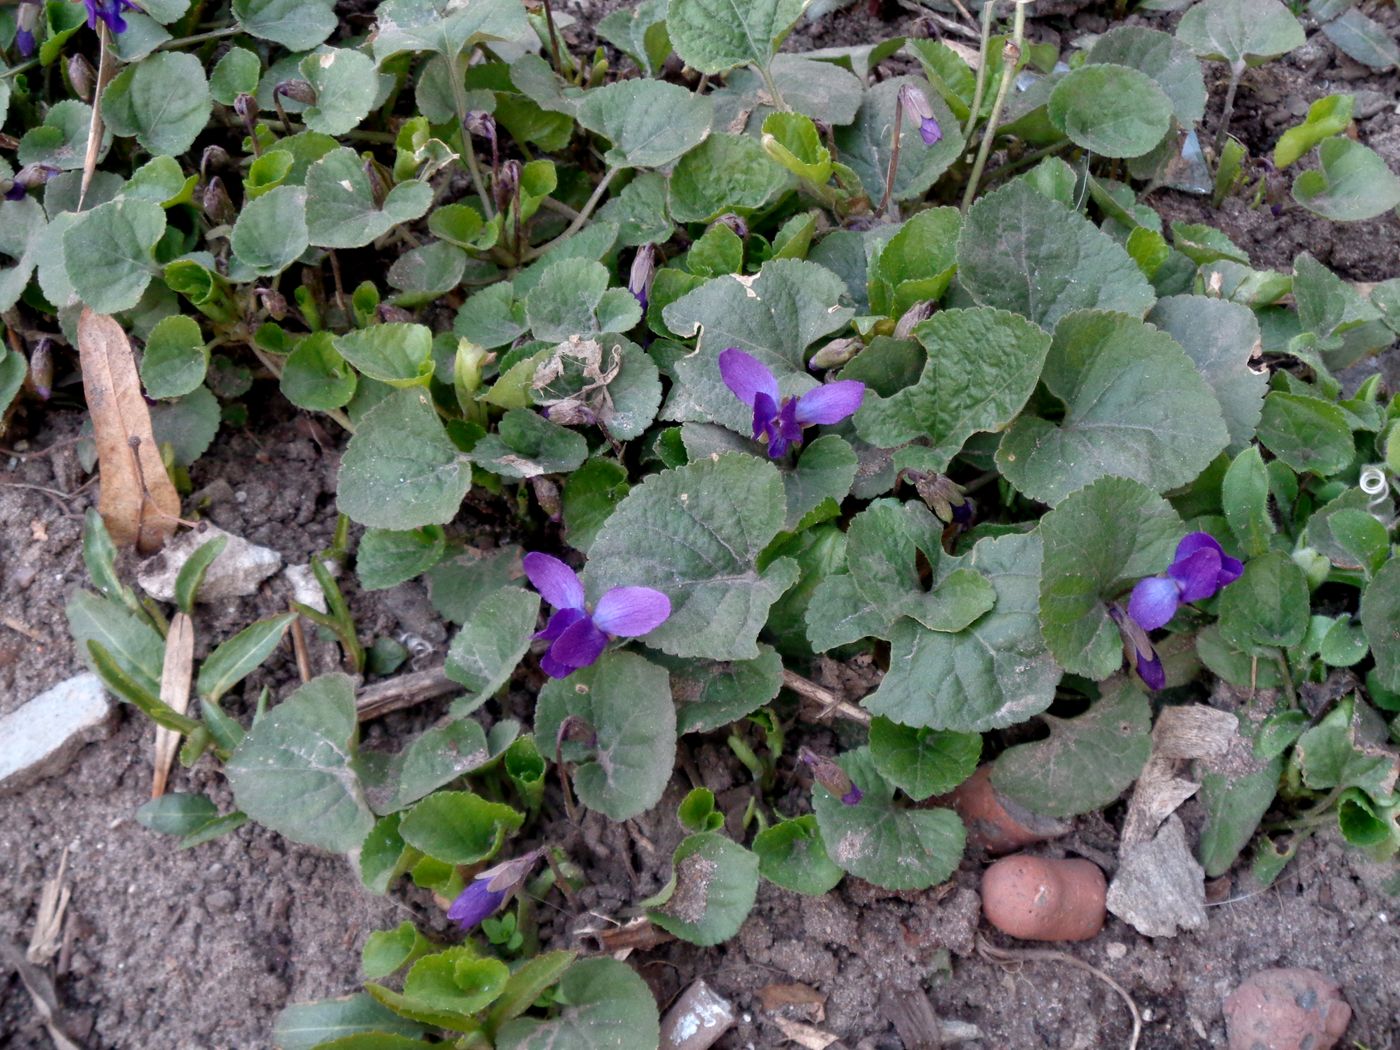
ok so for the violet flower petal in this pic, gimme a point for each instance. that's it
(476, 902)
(556, 582)
(1198, 575)
(830, 403)
(629, 612)
(929, 131)
(1193, 542)
(747, 376)
(1231, 569)
(554, 668)
(580, 644)
(1149, 669)
(789, 426)
(559, 622)
(1153, 602)
(765, 410)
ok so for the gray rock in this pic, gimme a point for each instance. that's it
(306, 589)
(1159, 888)
(40, 738)
(1370, 103)
(237, 571)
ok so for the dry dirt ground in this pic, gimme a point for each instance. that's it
(199, 950)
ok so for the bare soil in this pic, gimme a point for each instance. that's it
(171, 950)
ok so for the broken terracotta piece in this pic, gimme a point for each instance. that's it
(1287, 1008)
(994, 822)
(1041, 899)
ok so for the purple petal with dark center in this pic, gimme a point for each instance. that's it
(830, 403)
(557, 624)
(788, 423)
(1149, 669)
(929, 131)
(765, 410)
(747, 376)
(580, 644)
(1197, 574)
(1154, 602)
(629, 612)
(558, 583)
(475, 903)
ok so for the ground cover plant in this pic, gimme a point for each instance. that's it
(768, 359)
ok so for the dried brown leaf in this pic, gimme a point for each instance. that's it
(175, 675)
(138, 503)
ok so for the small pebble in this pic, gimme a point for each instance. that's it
(1116, 950)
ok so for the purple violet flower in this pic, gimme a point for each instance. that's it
(915, 103)
(577, 637)
(1199, 569)
(489, 889)
(109, 11)
(782, 422)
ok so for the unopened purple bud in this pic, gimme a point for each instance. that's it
(836, 353)
(41, 368)
(922, 311)
(297, 90)
(391, 314)
(214, 158)
(916, 104)
(30, 177)
(378, 184)
(489, 889)
(830, 776)
(507, 184)
(480, 123)
(82, 76)
(216, 203)
(26, 19)
(273, 301)
(735, 223)
(246, 106)
(643, 267)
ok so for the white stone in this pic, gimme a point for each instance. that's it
(237, 571)
(40, 738)
(306, 589)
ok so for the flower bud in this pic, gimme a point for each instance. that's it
(41, 368)
(214, 158)
(904, 327)
(735, 223)
(391, 314)
(481, 124)
(297, 90)
(29, 177)
(26, 19)
(507, 185)
(246, 106)
(916, 104)
(836, 353)
(82, 76)
(830, 776)
(216, 203)
(643, 268)
(273, 301)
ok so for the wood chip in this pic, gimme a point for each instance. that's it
(138, 503)
(774, 997)
(47, 936)
(175, 676)
(804, 1034)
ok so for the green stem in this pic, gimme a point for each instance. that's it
(772, 86)
(577, 224)
(459, 102)
(1027, 159)
(981, 88)
(200, 38)
(1227, 109)
(886, 200)
(23, 67)
(1011, 59)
